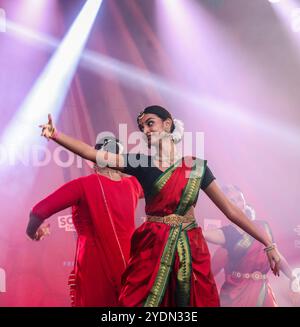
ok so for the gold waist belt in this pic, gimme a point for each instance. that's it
(256, 275)
(172, 219)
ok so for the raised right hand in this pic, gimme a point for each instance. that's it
(48, 129)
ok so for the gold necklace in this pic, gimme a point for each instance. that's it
(113, 175)
(108, 173)
(105, 172)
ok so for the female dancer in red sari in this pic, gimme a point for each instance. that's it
(169, 263)
(103, 206)
(245, 264)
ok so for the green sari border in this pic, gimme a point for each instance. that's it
(183, 289)
(165, 267)
(161, 181)
(192, 188)
(244, 245)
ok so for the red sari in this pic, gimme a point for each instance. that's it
(170, 266)
(246, 283)
(103, 215)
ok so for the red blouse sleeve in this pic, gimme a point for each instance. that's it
(137, 186)
(67, 195)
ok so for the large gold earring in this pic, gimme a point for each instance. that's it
(168, 130)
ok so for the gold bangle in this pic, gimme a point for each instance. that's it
(270, 247)
(54, 135)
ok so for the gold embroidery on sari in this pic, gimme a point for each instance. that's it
(164, 177)
(159, 287)
(192, 188)
(184, 272)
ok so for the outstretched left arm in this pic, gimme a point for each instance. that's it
(236, 215)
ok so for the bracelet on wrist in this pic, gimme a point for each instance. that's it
(270, 247)
(54, 134)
